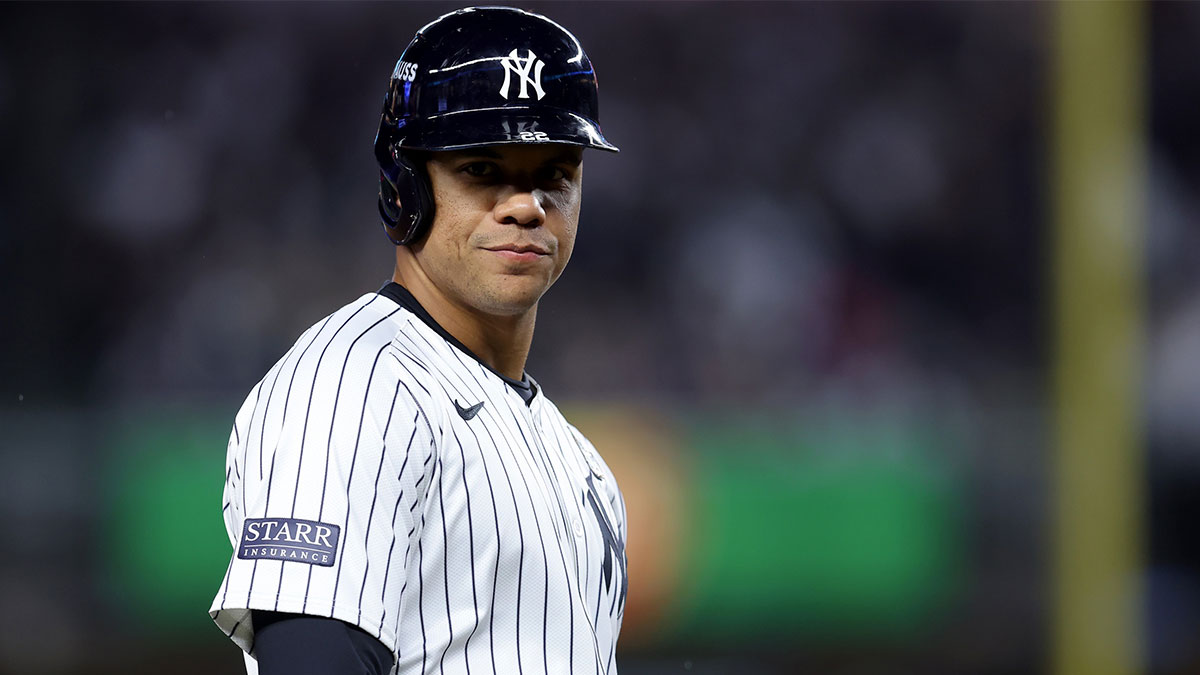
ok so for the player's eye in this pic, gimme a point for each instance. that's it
(554, 174)
(479, 169)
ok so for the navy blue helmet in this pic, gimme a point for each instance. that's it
(473, 77)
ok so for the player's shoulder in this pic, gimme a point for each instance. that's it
(372, 320)
(348, 361)
(421, 354)
(374, 333)
(349, 344)
(350, 334)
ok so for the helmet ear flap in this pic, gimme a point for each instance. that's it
(405, 199)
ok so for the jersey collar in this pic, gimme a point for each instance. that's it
(525, 387)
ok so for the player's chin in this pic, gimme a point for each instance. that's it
(512, 294)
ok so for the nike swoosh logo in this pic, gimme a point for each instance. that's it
(467, 413)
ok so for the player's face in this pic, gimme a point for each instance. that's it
(504, 224)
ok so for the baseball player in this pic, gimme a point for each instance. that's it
(401, 496)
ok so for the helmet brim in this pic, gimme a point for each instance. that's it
(500, 126)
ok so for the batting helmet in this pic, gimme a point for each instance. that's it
(473, 77)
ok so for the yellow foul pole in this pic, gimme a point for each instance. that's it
(1098, 213)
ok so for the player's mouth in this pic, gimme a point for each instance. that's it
(519, 252)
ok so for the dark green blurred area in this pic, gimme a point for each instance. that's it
(166, 544)
(853, 534)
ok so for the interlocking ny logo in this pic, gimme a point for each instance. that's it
(521, 67)
(613, 545)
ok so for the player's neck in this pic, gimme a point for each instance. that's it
(502, 342)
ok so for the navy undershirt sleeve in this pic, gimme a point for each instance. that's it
(296, 644)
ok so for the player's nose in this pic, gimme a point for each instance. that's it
(521, 207)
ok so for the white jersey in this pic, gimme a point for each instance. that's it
(381, 475)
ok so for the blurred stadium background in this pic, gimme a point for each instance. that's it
(824, 319)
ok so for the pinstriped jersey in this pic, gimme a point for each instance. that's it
(381, 475)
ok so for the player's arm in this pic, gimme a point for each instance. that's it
(297, 644)
(346, 462)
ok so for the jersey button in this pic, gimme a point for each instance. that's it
(594, 466)
(578, 527)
